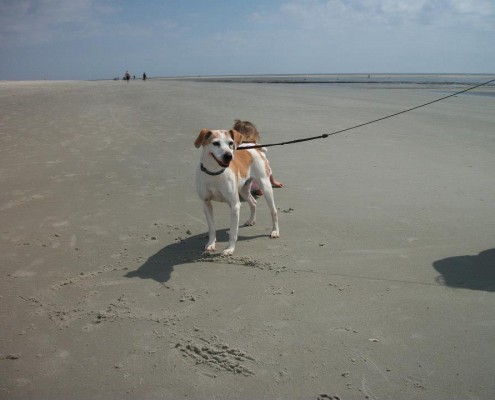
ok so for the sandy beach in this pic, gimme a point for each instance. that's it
(381, 286)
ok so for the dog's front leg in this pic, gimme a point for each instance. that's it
(208, 209)
(234, 227)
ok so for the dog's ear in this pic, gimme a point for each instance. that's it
(236, 137)
(203, 135)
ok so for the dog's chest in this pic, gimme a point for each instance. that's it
(213, 192)
(215, 188)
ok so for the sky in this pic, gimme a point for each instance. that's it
(101, 39)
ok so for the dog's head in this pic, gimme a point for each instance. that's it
(219, 144)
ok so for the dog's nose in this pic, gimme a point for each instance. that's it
(227, 156)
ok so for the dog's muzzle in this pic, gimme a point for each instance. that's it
(225, 160)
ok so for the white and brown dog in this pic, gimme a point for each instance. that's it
(221, 176)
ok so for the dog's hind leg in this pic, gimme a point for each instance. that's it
(268, 192)
(208, 209)
(245, 193)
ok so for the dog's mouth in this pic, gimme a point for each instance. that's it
(222, 163)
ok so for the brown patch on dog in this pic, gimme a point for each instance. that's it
(203, 136)
(241, 163)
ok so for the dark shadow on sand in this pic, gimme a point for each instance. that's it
(160, 265)
(468, 272)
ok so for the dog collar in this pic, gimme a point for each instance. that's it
(209, 172)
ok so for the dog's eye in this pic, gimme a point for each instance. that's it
(231, 144)
(216, 144)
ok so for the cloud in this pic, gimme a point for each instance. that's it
(365, 35)
(32, 22)
(479, 14)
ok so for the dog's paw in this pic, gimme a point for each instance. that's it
(250, 222)
(275, 234)
(228, 252)
(210, 247)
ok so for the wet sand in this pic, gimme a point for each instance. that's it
(382, 284)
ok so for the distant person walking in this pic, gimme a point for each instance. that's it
(144, 76)
(127, 76)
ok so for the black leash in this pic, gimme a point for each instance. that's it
(325, 135)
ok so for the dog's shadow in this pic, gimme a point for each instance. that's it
(469, 272)
(160, 265)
